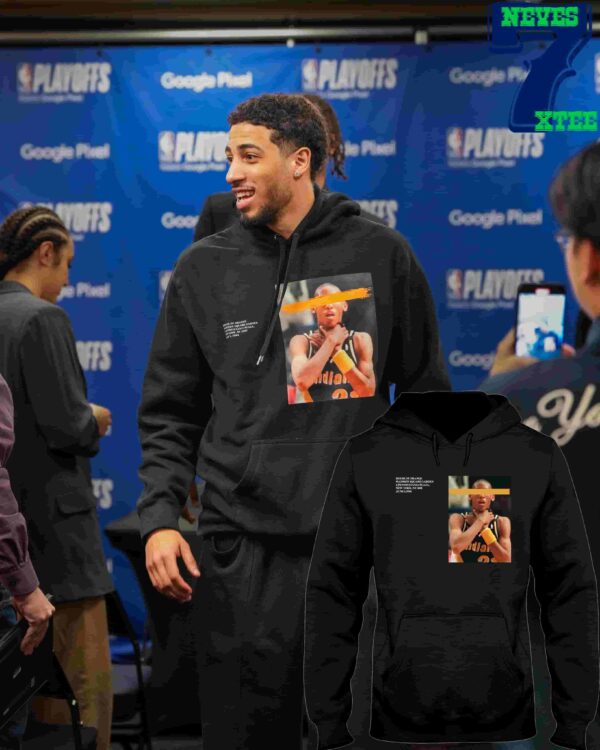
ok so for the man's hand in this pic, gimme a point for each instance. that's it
(336, 336)
(103, 417)
(506, 360)
(193, 500)
(37, 611)
(485, 517)
(162, 550)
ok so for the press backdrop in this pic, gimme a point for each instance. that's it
(126, 142)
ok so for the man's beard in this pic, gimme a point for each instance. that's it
(277, 199)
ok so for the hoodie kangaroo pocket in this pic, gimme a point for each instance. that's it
(284, 485)
(453, 668)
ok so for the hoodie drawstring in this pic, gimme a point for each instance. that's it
(281, 287)
(468, 448)
(436, 448)
(434, 439)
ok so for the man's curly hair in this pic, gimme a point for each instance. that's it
(293, 120)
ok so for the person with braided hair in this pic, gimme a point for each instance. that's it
(56, 432)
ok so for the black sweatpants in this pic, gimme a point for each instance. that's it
(252, 593)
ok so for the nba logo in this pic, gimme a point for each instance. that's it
(163, 282)
(597, 72)
(454, 283)
(166, 146)
(454, 143)
(25, 78)
(310, 74)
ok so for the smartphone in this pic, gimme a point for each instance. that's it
(540, 320)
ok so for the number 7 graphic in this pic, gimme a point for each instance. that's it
(549, 70)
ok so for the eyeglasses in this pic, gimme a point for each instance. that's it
(563, 237)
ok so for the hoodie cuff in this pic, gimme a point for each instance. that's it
(571, 735)
(21, 581)
(153, 519)
(333, 734)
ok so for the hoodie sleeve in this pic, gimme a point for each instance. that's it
(415, 360)
(16, 570)
(337, 587)
(175, 408)
(55, 384)
(565, 586)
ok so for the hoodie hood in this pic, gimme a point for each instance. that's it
(322, 219)
(452, 418)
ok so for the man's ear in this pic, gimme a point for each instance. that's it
(301, 162)
(592, 262)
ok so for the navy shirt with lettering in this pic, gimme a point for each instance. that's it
(561, 397)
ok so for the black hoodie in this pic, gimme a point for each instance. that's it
(218, 376)
(451, 655)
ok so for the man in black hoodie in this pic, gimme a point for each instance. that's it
(216, 381)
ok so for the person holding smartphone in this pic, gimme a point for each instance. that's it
(560, 396)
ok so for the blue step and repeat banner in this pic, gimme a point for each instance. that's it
(125, 143)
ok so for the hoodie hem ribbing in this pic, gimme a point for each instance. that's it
(454, 737)
(384, 730)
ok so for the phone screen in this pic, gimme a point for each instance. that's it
(540, 323)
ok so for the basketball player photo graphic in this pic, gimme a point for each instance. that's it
(329, 333)
(479, 519)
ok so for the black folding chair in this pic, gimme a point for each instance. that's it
(41, 736)
(22, 677)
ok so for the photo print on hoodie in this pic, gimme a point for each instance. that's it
(485, 498)
(330, 334)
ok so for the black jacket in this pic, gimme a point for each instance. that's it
(55, 434)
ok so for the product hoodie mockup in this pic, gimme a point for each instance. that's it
(451, 653)
(224, 374)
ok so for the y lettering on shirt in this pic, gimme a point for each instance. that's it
(560, 404)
